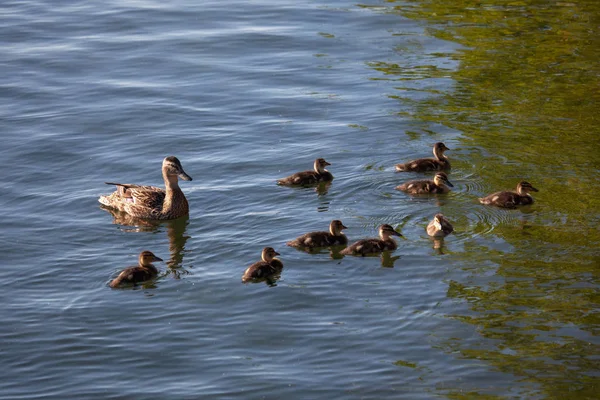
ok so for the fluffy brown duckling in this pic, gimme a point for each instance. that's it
(144, 271)
(509, 199)
(439, 227)
(322, 238)
(371, 246)
(439, 184)
(266, 268)
(439, 163)
(150, 202)
(320, 174)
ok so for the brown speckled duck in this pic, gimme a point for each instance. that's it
(439, 184)
(320, 174)
(372, 246)
(439, 163)
(509, 199)
(150, 202)
(439, 227)
(266, 268)
(144, 271)
(320, 239)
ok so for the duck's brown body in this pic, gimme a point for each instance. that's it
(508, 199)
(321, 238)
(144, 271)
(304, 178)
(438, 185)
(150, 202)
(267, 267)
(372, 246)
(439, 227)
(439, 163)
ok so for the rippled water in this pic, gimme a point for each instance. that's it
(244, 93)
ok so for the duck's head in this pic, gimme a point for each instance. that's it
(172, 169)
(441, 178)
(268, 254)
(439, 148)
(336, 227)
(147, 258)
(320, 165)
(525, 187)
(439, 221)
(385, 231)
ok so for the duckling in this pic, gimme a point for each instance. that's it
(320, 174)
(370, 246)
(322, 238)
(150, 202)
(437, 185)
(263, 269)
(142, 272)
(439, 226)
(439, 163)
(509, 199)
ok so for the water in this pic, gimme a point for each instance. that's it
(245, 93)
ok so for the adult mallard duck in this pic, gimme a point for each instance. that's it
(439, 163)
(320, 174)
(371, 246)
(322, 238)
(264, 269)
(439, 184)
(150, 202)
(439, 226)
(509, 199)
(144, 271)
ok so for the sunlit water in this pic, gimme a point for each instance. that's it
(244, 93)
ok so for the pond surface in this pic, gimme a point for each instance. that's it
(244, 93)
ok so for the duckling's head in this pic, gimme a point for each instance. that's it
(172, 168)
(336, 227)
(525, 187)
(439, 148)
(442, 178)
(440, 221)
(320, 165)
(268, 254)
(147, 258)
(385, 231)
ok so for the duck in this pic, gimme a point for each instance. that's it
(320, 174)
(150, 202)
(439, 226)
(508, 199)
(267, 267)
(320, 239)
(374, 245)
(439, 184)
(144, 271)
(439, 163)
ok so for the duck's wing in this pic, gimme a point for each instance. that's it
(501, 199)
(312, 239)
(364, 246)
(422, 165)
(259, 270)
(417, 187)
(301, 178)
(136, 200)
(132, 275)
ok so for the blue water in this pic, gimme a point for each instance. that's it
(243, 93)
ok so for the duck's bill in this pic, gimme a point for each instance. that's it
(397, 234)
(449, 184)
(157, 258)
(277, 254)
(534, 189)
(185, 176)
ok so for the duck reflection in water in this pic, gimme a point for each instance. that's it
(176, 233)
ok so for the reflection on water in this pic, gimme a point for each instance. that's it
(176, 234)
